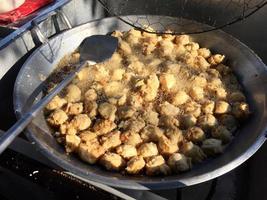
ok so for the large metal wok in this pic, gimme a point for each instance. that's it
(251, 71)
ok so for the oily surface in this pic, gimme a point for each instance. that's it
(160, 105)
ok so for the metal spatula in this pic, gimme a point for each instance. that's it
(93, 49)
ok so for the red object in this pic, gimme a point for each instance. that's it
(28, 7)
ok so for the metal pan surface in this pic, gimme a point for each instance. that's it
(248, 67)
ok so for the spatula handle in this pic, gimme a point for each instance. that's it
(7, 137)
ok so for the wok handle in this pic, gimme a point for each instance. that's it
(7, 137)
(39, 37)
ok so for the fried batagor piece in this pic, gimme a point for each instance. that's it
(135, 165)
(179, 163)
(112, 161)
(193, 151)
(151, 133)
(107, 111)
(168, 121)
(73, 93)
(175, 135)
(74, 108)
(195, 134)
(180, 98)
(212, 146)
(90, 152)
(57, 117)
(222, 133)
(207, 122)
(241, 110)
(80, 122)
(222, 107)
(151, 117)
(150, 89)
(102, 127)
(56, 103)
(188, 120)
(111, 140)
(126, 151)
(148, 149)
(131, 138)
(167, 81)
(167, 146)
(168, 109)
(156, 165)
(72, 143)
(87, 136)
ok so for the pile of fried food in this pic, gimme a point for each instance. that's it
(158, 106)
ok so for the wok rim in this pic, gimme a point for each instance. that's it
(140, 185)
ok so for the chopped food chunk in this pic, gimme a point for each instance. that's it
(206, 122)
(167, 81)
(74, 108)
(102, 127)
(135, 165)
(90, 108)
(208, 107)
(56, 103)
(117, 74)
(111, 140)
(72, 143)
(168, 109)
(90, 95)
(57, 117)
(175, 135)
(201, 62)
(229, 121)
(151, 117)
(134, 125)
(114, 89)
(131, 138)
(241, 110)
(212, 146)
(151, 133)
(188, 121)
(195, 134)
(216, 59)
(112, 161)
(192, 108)
(156, 166)
(80, 122)
(166, 48)
(197, 93)
(150, 90)
(168, 121)
(167, 146)
(126, 112)
(87, 136)
(180, 98)
(126, 151)
(147, 150)
(179, 162)
(222, 133)
(222, 107)
(107, 111)
(73, 93)
(182, 39)
(90, 153)
(193, 151)
(204, 52)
